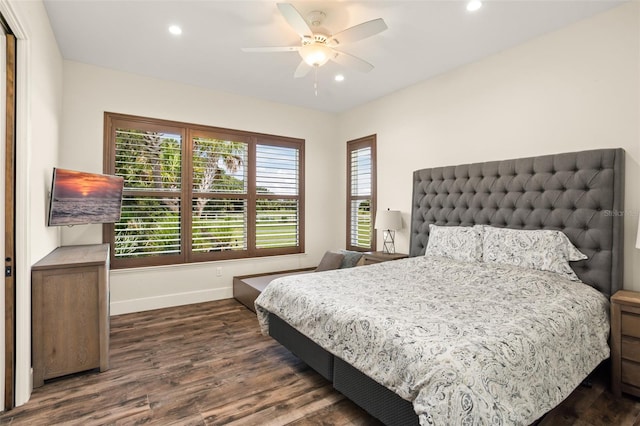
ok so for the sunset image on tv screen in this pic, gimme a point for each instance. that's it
(83, 198)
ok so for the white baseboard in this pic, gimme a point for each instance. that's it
(169, 300)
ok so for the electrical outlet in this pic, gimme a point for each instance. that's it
(219, 271)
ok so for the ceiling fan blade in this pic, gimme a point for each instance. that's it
(295, 20)
(302, 70)
(271, 49)
(358, 32)
(351, 61)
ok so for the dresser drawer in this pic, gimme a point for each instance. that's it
(630, 373)
(631, 348)
(630, 324)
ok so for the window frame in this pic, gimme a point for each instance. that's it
(188, 132)
(354, 145)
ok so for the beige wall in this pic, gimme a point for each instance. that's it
(89, 91)
(574, 89)
(39, 114)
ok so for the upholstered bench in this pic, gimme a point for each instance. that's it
(246, 288)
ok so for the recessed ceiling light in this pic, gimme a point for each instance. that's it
(175, 30)
(474, 5)
(339, 77)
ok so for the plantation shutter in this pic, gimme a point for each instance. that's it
(150, 163)
(219, 204)
(277, 202)
(361, 193)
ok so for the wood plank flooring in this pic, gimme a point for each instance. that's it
(208, 364)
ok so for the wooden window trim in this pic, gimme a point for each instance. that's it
(353, 145)
(188, 131)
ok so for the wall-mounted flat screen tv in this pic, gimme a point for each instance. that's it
(80, 198)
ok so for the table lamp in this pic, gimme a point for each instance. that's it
(389, 221)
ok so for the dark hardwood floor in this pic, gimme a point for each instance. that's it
(207, 364)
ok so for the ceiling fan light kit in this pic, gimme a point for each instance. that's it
(316, 54)
(316, 49)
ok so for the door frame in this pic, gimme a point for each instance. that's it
(8, 221)
(22, 263)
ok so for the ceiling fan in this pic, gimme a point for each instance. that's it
(317, 48)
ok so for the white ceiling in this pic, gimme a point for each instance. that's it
(424, 38)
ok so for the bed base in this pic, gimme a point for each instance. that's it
(302, 347)
(377, 400)
(374, 398)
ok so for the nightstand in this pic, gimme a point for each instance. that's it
(378, 257)
(625, 342)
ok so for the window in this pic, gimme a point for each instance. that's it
(195, 193)
(361, 193)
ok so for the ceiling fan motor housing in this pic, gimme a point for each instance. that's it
(316, 17)
(317, 38)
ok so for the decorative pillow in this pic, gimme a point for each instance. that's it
(351, 258)
(545, 250)
(462, 243)
(329, 261)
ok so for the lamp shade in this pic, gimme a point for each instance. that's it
(388, 219)
(638, 237)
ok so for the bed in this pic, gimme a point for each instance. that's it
(476, 341)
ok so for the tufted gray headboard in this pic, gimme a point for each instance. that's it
(580, 193)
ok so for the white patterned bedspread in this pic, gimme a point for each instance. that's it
(468, 343)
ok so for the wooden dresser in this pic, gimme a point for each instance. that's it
(70, 311)
(625, 342)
